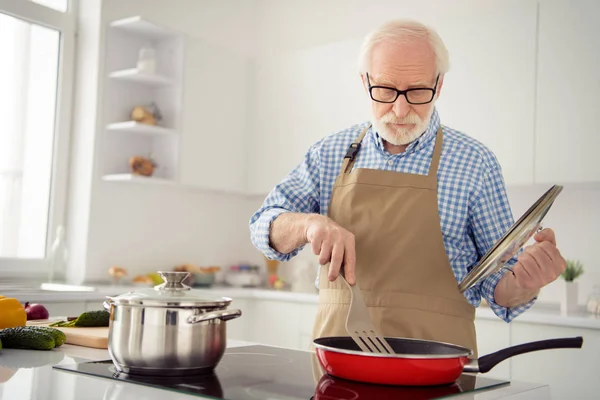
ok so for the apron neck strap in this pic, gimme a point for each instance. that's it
(350, 156)
(437, 152)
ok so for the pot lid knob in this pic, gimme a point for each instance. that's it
(173, 281)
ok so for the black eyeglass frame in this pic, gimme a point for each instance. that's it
(402, 92)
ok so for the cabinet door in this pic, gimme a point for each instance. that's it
(493, 336)
(301, 97)
(276, 323)
(571, 373)
(489, 92)
(216, 125)
(567, 138)
(242, 328)
(65, 309)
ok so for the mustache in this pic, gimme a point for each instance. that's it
(390, 118)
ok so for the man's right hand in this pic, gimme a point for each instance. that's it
(334, 245)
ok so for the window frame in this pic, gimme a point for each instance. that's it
(65, 23)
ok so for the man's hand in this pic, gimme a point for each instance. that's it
(333, 244)
(537, 266)
(540, 263)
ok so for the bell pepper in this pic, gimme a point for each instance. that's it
(12, 313)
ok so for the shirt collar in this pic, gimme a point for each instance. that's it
(418, 143)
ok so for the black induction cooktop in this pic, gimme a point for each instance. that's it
(261, 372)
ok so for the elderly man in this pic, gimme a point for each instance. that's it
(406, 205)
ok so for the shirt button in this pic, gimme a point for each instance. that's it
(390, 162)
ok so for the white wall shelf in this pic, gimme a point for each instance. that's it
(148, 180)
(135, 76)
(138, 26)
(138, 128)
(128, 87)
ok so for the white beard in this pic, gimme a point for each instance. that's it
(401, 136)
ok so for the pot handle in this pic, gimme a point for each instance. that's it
(487, 362)
(223, 315)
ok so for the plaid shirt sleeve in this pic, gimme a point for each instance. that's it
(298, 192)
(490, 219)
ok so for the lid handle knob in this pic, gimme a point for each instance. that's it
(173, 281)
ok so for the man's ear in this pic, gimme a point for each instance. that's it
(439, 87)
(363, 77)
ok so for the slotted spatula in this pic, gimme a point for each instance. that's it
(359, 324)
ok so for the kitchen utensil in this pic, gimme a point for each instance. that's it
(96, 337)
(512, 241)
(359, 324)
(170, 330)
(417, 362)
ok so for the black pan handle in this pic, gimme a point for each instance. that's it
(487, 362)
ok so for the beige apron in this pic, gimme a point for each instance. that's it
(401, 261)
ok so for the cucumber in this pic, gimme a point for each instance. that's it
(58, 335)
(22, 337)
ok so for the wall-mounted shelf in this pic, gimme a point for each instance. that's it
(138, 26)
(136, 76)
(142, 129)
(147, 180)
(156, 85)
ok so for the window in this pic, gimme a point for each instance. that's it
(36, 57)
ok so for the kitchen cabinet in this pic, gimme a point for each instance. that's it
(301, 97)
(571, 373)
(65, 309)
(305, 95)
(489, 92)
(567, 92)
(493, 336)
(216, 120)
(276, 323)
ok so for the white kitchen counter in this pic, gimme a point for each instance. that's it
(539, 314)
(44, 383)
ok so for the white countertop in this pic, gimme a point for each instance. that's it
(539, 314)
(44, 383)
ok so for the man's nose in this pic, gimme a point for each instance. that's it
(401, 107)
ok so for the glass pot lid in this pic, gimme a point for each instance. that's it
(512, 241)
(171, 293)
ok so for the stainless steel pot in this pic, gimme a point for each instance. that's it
(168, 330)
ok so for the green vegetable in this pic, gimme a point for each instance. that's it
(58, 335)
(22, 337)
(87, 319)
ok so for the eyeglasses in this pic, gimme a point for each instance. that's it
(384, 94)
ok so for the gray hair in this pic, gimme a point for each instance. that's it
(404, 31)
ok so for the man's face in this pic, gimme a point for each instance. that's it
(402, 66)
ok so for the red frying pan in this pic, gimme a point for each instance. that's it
(416, 362)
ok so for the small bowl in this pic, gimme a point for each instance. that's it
(204, 280)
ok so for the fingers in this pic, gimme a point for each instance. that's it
(350, 260)
(334, 245)
(538, 265)
(546, 235)
(337, 256)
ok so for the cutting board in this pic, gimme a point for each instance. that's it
(96, 338)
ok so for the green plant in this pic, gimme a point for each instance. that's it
(573, 271)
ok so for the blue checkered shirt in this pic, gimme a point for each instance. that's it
(472, 201)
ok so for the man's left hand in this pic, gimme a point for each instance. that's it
(540, 263)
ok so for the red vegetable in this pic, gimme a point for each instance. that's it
(36, 311)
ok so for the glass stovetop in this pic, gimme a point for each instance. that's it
(261, 372)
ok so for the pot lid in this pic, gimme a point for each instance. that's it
(512, 241)
(171, 293)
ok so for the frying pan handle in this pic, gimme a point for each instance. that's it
(486, 363)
